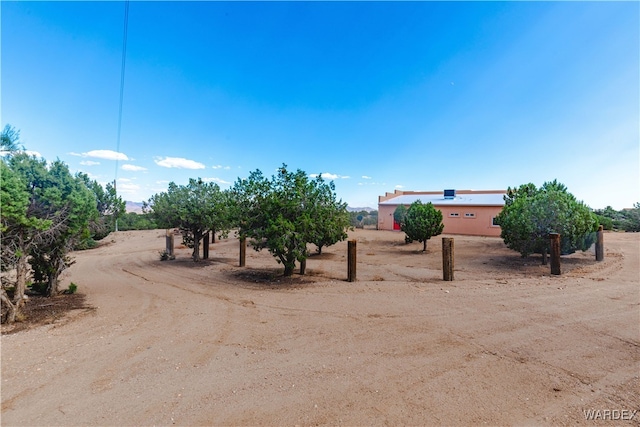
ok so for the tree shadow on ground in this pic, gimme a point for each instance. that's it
(266, 278)
(40, 310)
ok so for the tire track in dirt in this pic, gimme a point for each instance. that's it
(194, 344)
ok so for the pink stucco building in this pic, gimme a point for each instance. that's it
(470, 212)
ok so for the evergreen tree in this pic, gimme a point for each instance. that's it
(421, 222)
(530, 214)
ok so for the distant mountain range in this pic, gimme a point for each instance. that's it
(134, 207)
(137, 208)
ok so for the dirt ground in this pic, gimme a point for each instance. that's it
(182, 343)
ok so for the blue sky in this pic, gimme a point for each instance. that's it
(374, 95)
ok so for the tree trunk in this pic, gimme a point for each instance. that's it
(205, 246)
(10, 315)
(196, 246)
(54, 282)
(303, 266)
(544, 256)
(424, 246)
(21, 280)
(288, 269)
(319, 250)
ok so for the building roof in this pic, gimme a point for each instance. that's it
(492, 199)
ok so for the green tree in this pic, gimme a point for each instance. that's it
(9, 139)
(371, 219)
(605, 221)
(631, 218)
(24, 223)
(57, 216)
(19, 231)
(421, 222)
(71, 206)
(331, 218)
(136, 221)
(110, 207)
(530, 214)
(400, 215)
(286, 213)
(196, 208)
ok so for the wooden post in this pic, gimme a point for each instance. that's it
(205, 246)
(447, 259)
(351, 261)
(303, 266)
(169, 243)
(243, 251)
(555, 253)
(600, 245)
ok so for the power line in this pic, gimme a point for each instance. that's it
(122, 68)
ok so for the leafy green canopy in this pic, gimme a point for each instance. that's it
(626, 219)
(9, 140)
(58, 203)
(420, 222)
(196, 208)
(286, 213)
(530, 214)
(110, 207)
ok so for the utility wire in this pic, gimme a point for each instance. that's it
(122, 68)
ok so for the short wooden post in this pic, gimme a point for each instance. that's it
(351, 261)
(555, 253)
(205, 246)
(447, 259)
(600, 245)
(303, 266)
(169, 243)
(243, 251)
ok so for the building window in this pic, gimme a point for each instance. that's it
(494, 222)
(454, 214)
(469, 215)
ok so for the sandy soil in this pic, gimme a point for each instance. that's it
(180, 343)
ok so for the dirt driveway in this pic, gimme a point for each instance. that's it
(180, 343)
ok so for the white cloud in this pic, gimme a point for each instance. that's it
(133, 168)
(218, 180)
(366, 177)
(373, 183)
(399, 186)
(179, 163)
(128, 188)
(221, 167)
(27, 152)
(103, 154)
(328, 175)
(89, 163)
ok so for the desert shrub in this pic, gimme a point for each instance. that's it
(421, 222)
(607, 223)
(530, 214)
